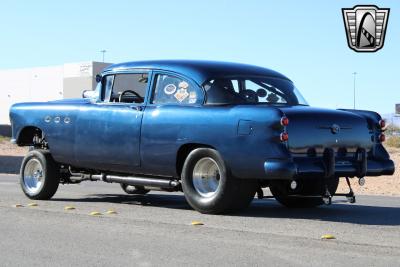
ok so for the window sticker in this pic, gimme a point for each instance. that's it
(183, 85)
(170, 89)
(181, 95)
(192, 97)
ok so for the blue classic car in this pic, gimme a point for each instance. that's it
(220, 132)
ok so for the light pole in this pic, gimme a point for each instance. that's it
(354, 90)
(103, 51)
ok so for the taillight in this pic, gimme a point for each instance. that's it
(382, 137)
(284, 137)
(382, 124)
(284, 121)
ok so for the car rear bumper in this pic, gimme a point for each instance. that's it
(326, 166)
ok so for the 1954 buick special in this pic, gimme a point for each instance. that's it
(220, 132)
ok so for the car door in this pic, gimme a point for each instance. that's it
(169, 121)
(108, 131)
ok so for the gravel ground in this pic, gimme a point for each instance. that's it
(8, 149)
(11, 157)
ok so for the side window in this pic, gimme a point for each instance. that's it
(107, 87)
(235, 84)
(173, 90)
(125, 88)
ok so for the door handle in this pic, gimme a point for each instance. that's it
(138, 108)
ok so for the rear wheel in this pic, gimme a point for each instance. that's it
(280, 189)
(208, 187)
(134, 190)
(39, 175)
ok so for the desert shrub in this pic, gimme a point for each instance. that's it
(391, 129)
(4, 139)
(393, 141)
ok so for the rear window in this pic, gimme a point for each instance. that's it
(253, 90)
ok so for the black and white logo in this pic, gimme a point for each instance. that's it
(365, 27)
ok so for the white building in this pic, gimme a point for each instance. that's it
(45, 83)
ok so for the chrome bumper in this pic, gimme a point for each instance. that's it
(327, 166)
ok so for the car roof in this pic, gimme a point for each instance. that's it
(199, 70)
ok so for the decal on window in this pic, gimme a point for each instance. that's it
(192, 97)
(183, 85)
(170, 89)
(181, 95)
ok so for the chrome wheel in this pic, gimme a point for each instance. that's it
(206, 177)
(33, 176)
(208, 186)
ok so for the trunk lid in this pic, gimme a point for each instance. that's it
(311, 130)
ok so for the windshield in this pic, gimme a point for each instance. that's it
(257, 90)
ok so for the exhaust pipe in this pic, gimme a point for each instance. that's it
(138, 181)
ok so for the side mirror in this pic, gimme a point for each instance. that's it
(98, 78)
(88, 94)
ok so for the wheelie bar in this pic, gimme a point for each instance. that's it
(327, 197)
(350, 196)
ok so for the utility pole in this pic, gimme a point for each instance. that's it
(103, 51)
(354, 90)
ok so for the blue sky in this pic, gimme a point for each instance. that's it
(305, 40)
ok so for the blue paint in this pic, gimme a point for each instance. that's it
(145, 138)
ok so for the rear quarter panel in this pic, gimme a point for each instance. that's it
(166, 128)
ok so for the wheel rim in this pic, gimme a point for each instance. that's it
(33, 176)
(206, 177)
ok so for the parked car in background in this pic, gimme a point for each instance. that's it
(220, 132)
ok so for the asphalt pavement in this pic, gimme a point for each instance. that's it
(156, 230)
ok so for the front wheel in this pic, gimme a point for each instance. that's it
(39, 175)
(209, 188)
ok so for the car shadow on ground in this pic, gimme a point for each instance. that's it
(10, 164)
(337, 212)
(154, 200)
(265, 208)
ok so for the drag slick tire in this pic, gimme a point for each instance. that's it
(209, 188)
(39, 175)
(134, 190)
(280, 189)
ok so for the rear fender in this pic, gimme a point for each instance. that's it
(372, 117)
